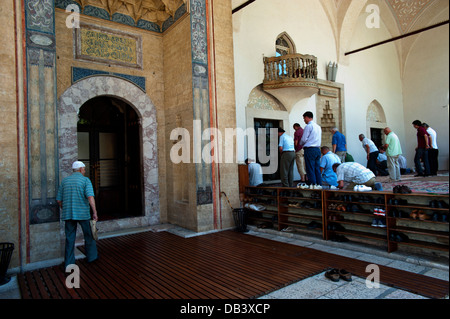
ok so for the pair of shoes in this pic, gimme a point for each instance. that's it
(378, 223)
(398, 213)
(440, 217)
(379, 211)
(335, 217)
(335, 227)
(401, 189)
(315, 195)
(423, 216)
(341, 208)
(335, 274)
(438, 204)
(362, 188)
(332, 206)
(303, 186)
(398, 237)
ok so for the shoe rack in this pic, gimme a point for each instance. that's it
(417, 220)
(301, 210)
(355, 215)
(268, 197)
(384, 218)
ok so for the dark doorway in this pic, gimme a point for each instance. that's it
(109, 145)
(376, 135)
(267, 124)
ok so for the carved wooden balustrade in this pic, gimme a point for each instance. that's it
(292, 70)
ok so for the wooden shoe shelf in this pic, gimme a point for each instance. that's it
(355, 216)
(336, 214)
(300, 210)
(421, 232)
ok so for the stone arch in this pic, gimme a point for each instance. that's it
(80, 92)
(376, 122)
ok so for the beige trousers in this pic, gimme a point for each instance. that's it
(300, 161)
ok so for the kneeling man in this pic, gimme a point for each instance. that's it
(354, 174)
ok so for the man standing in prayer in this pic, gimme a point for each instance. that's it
(299, 152)
(423, 145)
(287, 150)
(311, 140)
(433, 151)
(393, 151)
(339, 144)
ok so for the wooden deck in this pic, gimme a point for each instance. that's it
(225, 265)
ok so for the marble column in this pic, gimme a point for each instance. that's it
(41, 109)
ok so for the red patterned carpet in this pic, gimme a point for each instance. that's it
(433, 184)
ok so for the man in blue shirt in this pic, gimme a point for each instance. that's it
(76, 197)
(339, 144)
(287, 150)
(329, 176)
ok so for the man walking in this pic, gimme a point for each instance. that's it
(299, 152)
(393, 151)
(311, 140)
(372, 153)
(339, 144)
(287, 150)
(75, 197)
(423, 144)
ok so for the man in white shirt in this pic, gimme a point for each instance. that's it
(433, 151)
(287, 150)
(254, 173)
(311, 140)
(354, 174)
(372, 153)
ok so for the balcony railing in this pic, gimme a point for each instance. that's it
(292, 70)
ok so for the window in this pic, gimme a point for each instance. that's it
(284, 45)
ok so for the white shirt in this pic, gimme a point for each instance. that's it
(372, 146)
(433, 136)
(255, 174)
(312, 135)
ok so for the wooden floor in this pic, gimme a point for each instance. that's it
(225, 265)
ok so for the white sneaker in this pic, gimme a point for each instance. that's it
(302, 186)
(362, 188)
(317, 187)
(333, 187)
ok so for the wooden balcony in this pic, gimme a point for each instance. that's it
(290, 71)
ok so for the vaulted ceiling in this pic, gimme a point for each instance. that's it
(157, 11)
(398, 16)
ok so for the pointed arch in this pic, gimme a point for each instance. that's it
(284, 44)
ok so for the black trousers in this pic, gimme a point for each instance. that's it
(433, 155)
(372, 162)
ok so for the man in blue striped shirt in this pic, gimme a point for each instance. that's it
(75, 197)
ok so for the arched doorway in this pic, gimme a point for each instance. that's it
(376, 122)
(69, 105)
(109, 144)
